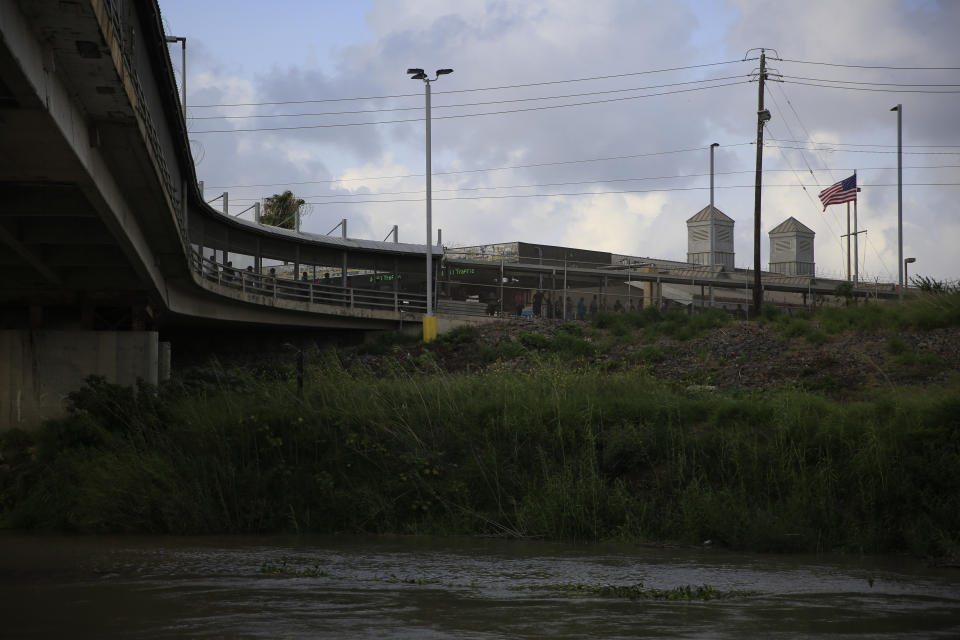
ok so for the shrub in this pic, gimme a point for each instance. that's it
(464, 334)
(896, 346)
(572, 346)
(533, 340)
(571, 328)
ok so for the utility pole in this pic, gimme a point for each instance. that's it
(856, 248)
(762, 116)
(899, 110)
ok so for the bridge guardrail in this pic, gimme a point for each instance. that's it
(271, 286)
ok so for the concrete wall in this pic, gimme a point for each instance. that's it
(39, 368)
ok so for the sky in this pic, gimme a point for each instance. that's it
(584, 124)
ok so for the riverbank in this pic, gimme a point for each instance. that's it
(540, 435)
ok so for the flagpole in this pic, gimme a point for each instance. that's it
(848, 241)
(856, 249)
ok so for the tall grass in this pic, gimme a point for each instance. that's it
(923, 311)
(557, 452)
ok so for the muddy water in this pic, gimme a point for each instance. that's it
(126, 587)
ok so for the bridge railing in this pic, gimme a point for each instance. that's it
(273, 286)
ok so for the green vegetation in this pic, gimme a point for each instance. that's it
(282, 209)
(564, 444)
(924, 312)
(672, 324)
(556, 452)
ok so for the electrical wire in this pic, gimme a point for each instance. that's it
(877, 84)
(578, 182)
(861, 66)
(554, 184)
(467, 104)
(483, 170)
(829, 86)
(469, 115)
(911, 153)
(603, 193)
(853, 144)
(510, 86)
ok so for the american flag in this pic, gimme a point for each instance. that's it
(843, 191)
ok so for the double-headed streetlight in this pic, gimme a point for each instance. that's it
(906, 278)
(429, 322)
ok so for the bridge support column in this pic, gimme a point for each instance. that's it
(38, 368)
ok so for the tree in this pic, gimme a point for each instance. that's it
(281, 210)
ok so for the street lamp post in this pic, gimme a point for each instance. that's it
(713, 240)
(183, 68)
(906, 279)
(899, 110)
(429, 321)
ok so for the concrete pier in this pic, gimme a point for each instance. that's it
(39, 368)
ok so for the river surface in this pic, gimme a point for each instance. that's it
(419, 587)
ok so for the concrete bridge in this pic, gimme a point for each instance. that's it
(108, 246)
(104, 229)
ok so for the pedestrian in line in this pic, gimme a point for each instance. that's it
(569, 310)
(593, 306)
(581, 309)
(537, 303)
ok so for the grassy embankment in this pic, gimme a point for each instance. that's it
(563, 449)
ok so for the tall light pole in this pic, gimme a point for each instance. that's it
(713, 239)
(899, 110)
(429, 322)
(183, 69)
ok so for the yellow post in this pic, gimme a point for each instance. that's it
(429, 328)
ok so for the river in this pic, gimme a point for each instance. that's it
(423, 587)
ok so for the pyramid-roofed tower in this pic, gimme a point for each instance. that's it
(791, 248)
(698, 238)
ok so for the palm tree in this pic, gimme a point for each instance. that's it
(282, 209)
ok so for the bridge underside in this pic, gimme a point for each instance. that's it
(70, 244)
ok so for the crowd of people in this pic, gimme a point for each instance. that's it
(553, 306)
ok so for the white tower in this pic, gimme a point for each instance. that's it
(698, 238)
(791, 248)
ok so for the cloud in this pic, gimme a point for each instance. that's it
(492, 43)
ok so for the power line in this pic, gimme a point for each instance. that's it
(603, 193)
(877, 84)
(911, 153)
(510, 86)
(468, 115)
(853, 144)
(830, 86)
(577, 182)
(467, 104)
(829, 223)
(861, 66)
(516, 166)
